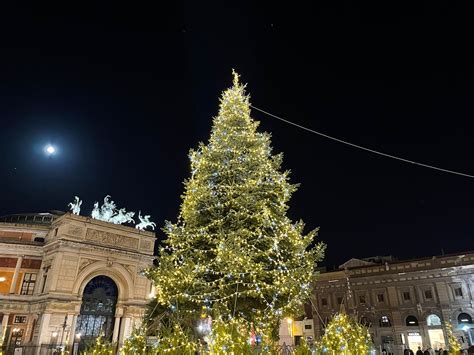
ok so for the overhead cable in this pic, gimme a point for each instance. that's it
(363, 148)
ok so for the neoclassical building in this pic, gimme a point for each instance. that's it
(405, 302)
(65, 279)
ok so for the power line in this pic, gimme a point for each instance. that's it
(363, 148)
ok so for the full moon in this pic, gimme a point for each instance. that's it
(50, 149)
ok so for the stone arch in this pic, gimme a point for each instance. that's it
(432, 318)
(119, 274)
(457, 312)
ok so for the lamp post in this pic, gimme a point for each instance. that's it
(64, 325)
(54, 339)
(75, 346)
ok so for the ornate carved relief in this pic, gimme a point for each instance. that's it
(76, 231)
(146, 244)
(84, 262)
(111, 239)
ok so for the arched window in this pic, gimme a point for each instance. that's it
(411, 321)
(97, 310)
(433, 320)
(465, 318)
(385, 322)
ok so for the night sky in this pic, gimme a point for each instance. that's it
(125, 91)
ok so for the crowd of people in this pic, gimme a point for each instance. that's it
(427, 351)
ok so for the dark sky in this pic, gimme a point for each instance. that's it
(125, 91)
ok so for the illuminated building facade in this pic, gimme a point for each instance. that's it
(65, 279)
(405, 302)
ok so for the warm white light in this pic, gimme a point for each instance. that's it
(55, 334)
(50, 149)
(78, 335)
(289, 320)
(2, 279)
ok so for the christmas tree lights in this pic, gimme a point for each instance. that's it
(345, 336)
(233, 255)
(454, 345)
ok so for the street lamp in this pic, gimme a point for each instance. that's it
(63, 326)
(75, 345)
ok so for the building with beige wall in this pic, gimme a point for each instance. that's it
(405, 302)
(64, 279)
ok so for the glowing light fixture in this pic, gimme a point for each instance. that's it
(2, 279)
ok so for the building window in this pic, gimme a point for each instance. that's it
(464, 318)
(362, 299)
(324, 301)
(411, 321)
(20, 319)
(385, 321)
(380, 298)
(406, 296)
(339, 300)
(308, 326)
(458, 291)
(428, 295)
(28, 285)
(433, 320)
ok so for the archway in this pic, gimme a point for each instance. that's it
(435, 331)
(97, 310)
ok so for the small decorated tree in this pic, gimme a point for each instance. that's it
(454, 346)
(135, 343)
(344, 335)
(101, 347)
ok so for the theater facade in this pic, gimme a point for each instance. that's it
(66, 279)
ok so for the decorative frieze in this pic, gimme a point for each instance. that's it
(111, 239)
(76, 231)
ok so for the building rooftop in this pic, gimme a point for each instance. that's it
(44, 218)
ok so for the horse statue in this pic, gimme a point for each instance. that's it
(75, 206)
(144, 222)
(122, 217)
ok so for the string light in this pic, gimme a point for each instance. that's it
(233, 254)
(344, 335)
(454, 345)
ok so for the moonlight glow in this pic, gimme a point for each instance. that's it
(49, 149)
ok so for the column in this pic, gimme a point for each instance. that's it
(72, 332)
(29, 329)
(4, 327)
(17, 273)
(116, 329)
(124, 330)
(43, 330)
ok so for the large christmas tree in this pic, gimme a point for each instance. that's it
(233, 252)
